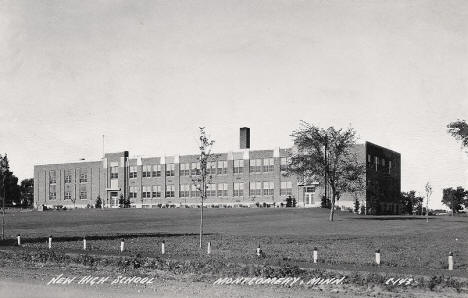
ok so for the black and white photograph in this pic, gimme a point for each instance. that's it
(233, 148)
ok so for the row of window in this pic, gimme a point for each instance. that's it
(220, 190)
(186, 190)
(68, 176)
(378, 163)
(212, 168)
(185, 169)
(68, 194)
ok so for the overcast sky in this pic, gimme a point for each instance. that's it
(147, 74)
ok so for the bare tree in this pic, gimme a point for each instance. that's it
(428, 189)
(201, 178)
(327, 153)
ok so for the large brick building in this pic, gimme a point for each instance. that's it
(241, 178)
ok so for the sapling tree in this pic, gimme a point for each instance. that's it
(201, 178)
(428, 189)
(327, 153)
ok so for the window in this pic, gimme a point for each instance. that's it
(268, 164)
(194, 192)
(383, 162)
(255, 165)
(195, 168)
(184, 191)
(83, 175)
(52, 177)
(114, 173)
(68, 176)
(222, 189)
(268, 188)
(83, 192)
(184, 169)
(156, 171)
(133, 172)
(389, 166)
(284, 163)
(156, 191)
(211, 190)
(310, 189)
(52, 192)
(170, 192)
(238, 189)
(68, 195)
(376, 161)
(146, 172)
(222, 167)
(286, 188)
(255, 188)
(238, 166)
(146, 193)
(170, 170)
(133, 192)
(211, 168)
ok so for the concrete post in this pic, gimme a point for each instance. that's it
(450, 261)
(377, 256)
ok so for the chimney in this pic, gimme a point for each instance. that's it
(245, 138)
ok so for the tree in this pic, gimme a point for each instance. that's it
(327, 153)
(410, 203)
(454, 198)
(428, 189)
(27, 192)
(201, 178)
(459, 130)
(9, 188)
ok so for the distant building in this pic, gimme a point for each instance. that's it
(242, 178)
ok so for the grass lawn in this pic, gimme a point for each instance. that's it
(287, 236)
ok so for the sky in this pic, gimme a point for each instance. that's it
(147, 74)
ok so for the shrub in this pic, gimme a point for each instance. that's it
(98, 203)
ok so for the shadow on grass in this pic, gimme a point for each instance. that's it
(13, 242)
(393, 217)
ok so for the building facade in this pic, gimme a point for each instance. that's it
(244, 178)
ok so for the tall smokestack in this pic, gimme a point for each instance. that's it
(244, 138)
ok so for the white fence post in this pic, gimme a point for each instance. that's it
(19, 239)
(450, 261)
(122, 245)
(259, 251)
(84, 243)
(377, 256)
(315, 255)
(50, 242)
(209, 247)
(163, 247)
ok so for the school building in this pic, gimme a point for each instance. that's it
(241, 178)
